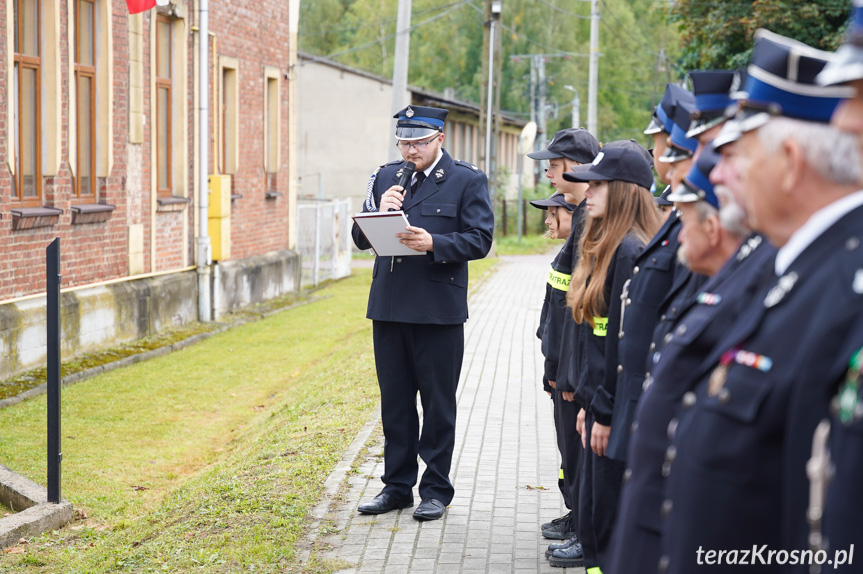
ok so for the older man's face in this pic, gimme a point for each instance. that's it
(761, 178)
(848, 116)
(694, 237)
(726, 174)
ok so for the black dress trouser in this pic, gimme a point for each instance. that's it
(601, 483)
(412, 358)
(571, 451)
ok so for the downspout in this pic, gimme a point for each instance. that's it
(202, 242)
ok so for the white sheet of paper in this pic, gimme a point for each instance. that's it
(380, 229)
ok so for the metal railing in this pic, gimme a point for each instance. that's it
(324, 239)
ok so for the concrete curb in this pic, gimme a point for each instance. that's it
(333, 485)
(38, 515)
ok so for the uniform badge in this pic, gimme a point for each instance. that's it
(709, 298)
(717, 379)
(850, 406)
(858, 282)
(399, 173)
(664, 242)
(782, 288)
(747, 248)
(473, 167)
(410, 112)
(439, 173)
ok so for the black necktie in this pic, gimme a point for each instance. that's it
(417, 183)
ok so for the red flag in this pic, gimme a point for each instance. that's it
(136, 6)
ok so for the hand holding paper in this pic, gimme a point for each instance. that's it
(417, 239)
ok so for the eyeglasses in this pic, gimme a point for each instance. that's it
(419, 146)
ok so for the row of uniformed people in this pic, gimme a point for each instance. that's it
(736, 372)
(721, 437)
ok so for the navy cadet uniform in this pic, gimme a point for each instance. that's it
(595, 360)
(566, 412)
(655, 273)
(636, 541)
(550, 332)
(418, 305)
(736, 472)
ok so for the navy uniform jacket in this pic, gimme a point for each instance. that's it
(453, 205)
(738, 463)
(706, 318)
(566, 376)
(656, 274)
(597, 359)
(843, 510)
(554, 309)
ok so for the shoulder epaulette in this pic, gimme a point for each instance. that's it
(467, 165)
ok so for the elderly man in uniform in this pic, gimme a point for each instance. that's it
(715, 246)
(841, 467)
(712, 90)
(736, 466)
(418, 305)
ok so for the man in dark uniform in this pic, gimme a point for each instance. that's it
(712, 97)
(840, 525)
(656, 273)
(736, 466)
(713, 247)
(680, 156)
(712, 90)
(418, 306)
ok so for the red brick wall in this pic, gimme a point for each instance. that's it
(253, 32)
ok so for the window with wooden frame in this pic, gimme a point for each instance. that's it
(164, 107)
(27, 110)
(85, 85)
(272, 121)
(228, 121)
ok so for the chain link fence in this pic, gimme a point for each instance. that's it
(324, 239)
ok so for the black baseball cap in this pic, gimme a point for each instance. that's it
(615, 164)
(557, 199)
(576, 144)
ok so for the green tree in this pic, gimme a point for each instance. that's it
(719, 34)
(447, 52)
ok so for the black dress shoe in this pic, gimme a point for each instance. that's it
(556, 521)
(563, 530)
(560, 546)
(568, 557)
(384, 502)
(429, 509)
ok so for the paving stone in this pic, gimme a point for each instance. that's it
(504, 444)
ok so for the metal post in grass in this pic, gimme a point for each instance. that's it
(52, 283)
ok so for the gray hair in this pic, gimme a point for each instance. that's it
(833, 154)
(731, 215)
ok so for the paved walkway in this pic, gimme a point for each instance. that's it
(505, 462)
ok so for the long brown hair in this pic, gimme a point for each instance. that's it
(629, 209)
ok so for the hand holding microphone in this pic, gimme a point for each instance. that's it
(392, 198)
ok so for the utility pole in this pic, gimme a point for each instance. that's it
(593, 69)
(487, 95)
(400, 66)
(576, 105)
(543, 107)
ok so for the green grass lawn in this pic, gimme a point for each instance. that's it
(208, 459)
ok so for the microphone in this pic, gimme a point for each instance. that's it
(407, 173)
